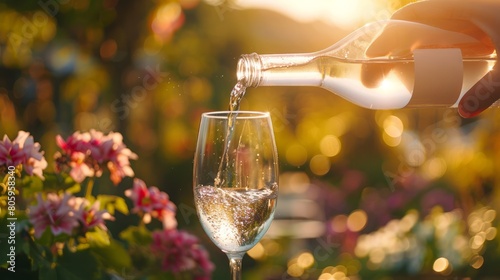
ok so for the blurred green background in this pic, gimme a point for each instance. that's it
(405, 194)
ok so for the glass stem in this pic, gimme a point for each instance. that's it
(235, 265)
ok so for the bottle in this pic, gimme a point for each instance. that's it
(384, 65)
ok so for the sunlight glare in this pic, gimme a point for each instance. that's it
(337, 12)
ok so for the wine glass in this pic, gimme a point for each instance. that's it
(235, 180)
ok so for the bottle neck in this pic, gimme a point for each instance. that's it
(249, 70)
(255, 70)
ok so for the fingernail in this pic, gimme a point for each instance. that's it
(465, 111)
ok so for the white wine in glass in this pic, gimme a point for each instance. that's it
(235, 180)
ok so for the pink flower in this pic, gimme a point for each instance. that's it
(64, 213)
(10, 153)
(56, 213)
(34, 160)
(76, 156)
(120, 168)
(90, 216)
(152, 203)
(180, 251)
(110, 148)
(23, 150)
(117, 155)
(78, 142)
(139, 194)
(79, 168)
(86, 154)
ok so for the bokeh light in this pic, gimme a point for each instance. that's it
(357, 220)
(393, 126)
(296, 155)
(330, 145)
(168, 18)
(319, 164)
(442, 265)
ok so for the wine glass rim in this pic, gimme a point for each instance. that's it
(237, 114)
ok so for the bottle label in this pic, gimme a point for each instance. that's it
(438, 77)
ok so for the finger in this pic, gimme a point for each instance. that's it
(451, 15)
(434, 10)
(400, 38)
(482, 95)
(372, 74)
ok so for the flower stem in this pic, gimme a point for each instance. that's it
(88, 191)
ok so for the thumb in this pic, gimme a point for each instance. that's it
(482, 95)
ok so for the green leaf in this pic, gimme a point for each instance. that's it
(75, 188)
(79, 265)
(98, 238)
(33, 185)
(137, 235)
(112, 203)
(47, 273)
(67, 184)
(39, 255)
(121, 205)
(52, 182)
(113, 256)
(46, 239)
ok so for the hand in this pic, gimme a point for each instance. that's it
(478, 26)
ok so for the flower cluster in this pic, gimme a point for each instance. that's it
(151, 202)
(60, 222)
(180, 251)
(22, 151)
(177, 251)
(86, 155)
(66, 213)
